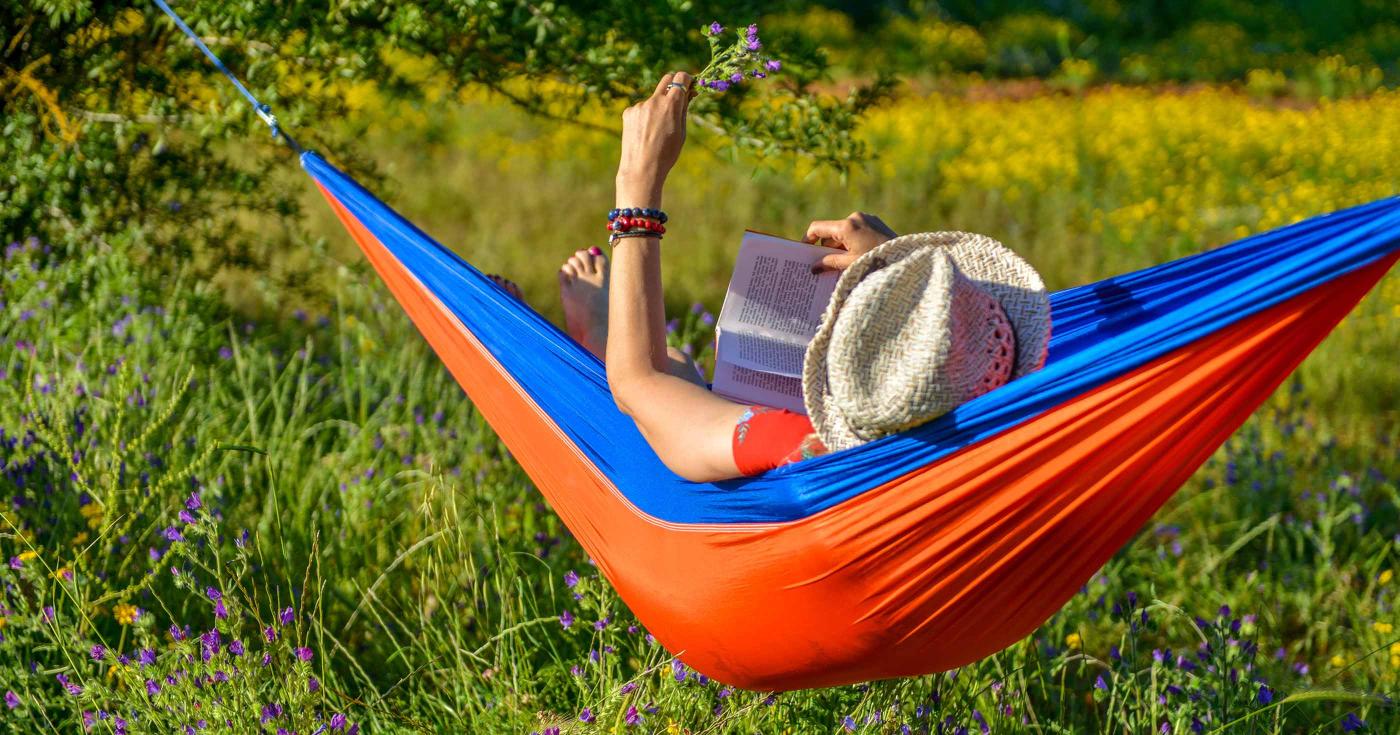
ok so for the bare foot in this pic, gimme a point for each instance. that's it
(583, 287)
(507, 284)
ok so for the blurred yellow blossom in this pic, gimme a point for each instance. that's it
(126, 614)
(1073, 640)
(1387, 575)
(1382, 628)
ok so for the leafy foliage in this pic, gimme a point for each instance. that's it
(115, 125)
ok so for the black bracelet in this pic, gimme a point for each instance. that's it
(631, 233)
(647, 212)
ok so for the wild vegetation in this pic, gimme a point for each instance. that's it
(244, 496)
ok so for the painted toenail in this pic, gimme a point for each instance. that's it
(595, 250)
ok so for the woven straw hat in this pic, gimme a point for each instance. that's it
(918, 326)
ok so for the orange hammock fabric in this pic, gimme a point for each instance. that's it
(930, 570)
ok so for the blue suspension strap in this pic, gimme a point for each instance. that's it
(262, 109)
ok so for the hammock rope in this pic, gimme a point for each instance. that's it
(918, 552)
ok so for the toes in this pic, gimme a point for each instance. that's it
(569, 271)
(600, 261)
(507, 285)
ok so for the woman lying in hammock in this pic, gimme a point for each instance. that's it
(917, 324)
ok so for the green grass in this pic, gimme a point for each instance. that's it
(427, 575)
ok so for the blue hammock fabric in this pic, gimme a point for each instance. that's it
(1101, 330)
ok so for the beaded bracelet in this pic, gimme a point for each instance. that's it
(625, 222)
(646, 212)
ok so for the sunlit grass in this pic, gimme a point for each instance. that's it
(431, 582)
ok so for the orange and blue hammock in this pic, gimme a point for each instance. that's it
(919, 552)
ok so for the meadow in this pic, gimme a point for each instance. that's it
(237, 507)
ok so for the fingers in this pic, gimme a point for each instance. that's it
(831, 229)
(661, 85)
(834, 262)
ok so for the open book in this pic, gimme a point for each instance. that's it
(771, 312)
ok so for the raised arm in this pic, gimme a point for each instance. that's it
(690, 428)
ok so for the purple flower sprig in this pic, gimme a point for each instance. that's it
(730, 64)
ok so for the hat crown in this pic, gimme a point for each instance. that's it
(916, 338)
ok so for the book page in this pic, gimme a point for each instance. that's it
(771, 312)
(774, 293)
(759, 388)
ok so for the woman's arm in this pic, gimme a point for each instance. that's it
(690, 428)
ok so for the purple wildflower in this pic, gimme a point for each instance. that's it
(48, 613)
(73, 689)
(270, 634)
(15, 562)
(176, 633)
(678, 669)
(303, 653)
(270, 712)
(287, 616)
(1099, 683)
(633, 716)
(715, 28)
(1352, 723)
(146, 657)
(313, 685)
(152, 688)
(719, 85)
(586, 715)
(566, 619)
(97, 652)
(570, 579)
(1265, 696)
(337, 721)
(627, 688)
(11, 699)
(185, 517)
(773, 65)
(193, 502)
(173, 534)
(849, 723)
(236, 648)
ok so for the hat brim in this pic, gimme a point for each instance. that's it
(992, 266)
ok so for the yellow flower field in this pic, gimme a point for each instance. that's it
(1088, 185)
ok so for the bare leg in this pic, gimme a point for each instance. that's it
(583, 288)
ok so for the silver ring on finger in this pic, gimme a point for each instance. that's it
(677, 85)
